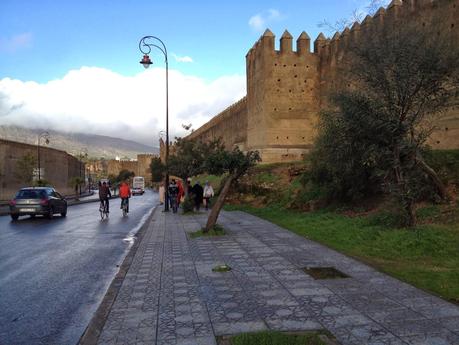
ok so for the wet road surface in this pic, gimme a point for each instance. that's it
(54, 273)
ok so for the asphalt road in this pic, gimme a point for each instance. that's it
(54, 273)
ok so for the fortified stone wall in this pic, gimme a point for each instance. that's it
(115, 166)
(286, 89)
(143, 166)
(140, 167)
(57, 167)
(438, 16)
(230, 125)
(282, 93)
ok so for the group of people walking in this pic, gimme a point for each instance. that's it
(197, 193)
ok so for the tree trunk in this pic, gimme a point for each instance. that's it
(441, 189)
(411, 213)
(215, 211)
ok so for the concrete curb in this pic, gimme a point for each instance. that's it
(94, 329)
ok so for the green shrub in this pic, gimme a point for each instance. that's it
(188, 204)
(445, 163)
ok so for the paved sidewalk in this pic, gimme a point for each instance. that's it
(171, 296)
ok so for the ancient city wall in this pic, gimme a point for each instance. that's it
(282, 89)
(438, 16)
(230, 125)
(140, 167)
(57, 167)
(286, 88)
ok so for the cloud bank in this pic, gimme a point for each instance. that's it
(182, 58)
(259, 21)
(98, 101)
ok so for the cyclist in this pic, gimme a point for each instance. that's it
(125, 194)
(104, 194)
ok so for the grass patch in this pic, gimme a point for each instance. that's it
(216, 231)
(266, 178)
(274, 338)
(213, 180)
(221, 268)
(427, 257)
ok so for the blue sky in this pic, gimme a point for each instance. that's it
(44, 42)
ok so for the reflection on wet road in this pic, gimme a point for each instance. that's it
(54, 273)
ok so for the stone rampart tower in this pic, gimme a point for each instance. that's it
(282, 97)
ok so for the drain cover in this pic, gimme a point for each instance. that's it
(324, 273)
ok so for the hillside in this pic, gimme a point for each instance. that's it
(97, 145)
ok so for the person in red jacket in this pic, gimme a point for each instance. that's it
(181, 192)
(125, 193)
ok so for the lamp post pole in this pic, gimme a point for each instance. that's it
(83, 153)
(145, 48)
(43, 135)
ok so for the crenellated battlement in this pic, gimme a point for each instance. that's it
(287, 88)
(265, 46)
(398, 12)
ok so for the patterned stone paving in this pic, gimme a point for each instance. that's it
(171, 296)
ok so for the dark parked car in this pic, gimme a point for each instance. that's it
(37, 200)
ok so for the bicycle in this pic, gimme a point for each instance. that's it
(103, 210)
(124, 207)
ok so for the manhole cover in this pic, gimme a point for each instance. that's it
(324, 273)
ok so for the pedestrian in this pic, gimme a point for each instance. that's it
(162, 193)
(189, 188)
(208, 193)
(198, 195)
(181, 192)
(173, 193)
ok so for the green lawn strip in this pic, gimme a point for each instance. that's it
(274, 338)
(221, 268)
(213, 180)
(427, 257)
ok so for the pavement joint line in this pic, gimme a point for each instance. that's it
(94, 329)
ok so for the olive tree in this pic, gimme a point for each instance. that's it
(395, 87)
(194, 157)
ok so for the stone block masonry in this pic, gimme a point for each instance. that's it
(58, 167)
(287, 89)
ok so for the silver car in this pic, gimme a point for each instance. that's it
(34, 201)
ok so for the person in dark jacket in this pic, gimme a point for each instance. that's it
(173, 192)
(104, 194)
(198, 192)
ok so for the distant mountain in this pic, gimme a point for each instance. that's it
(97, 146)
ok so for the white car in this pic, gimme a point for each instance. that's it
(137, 191)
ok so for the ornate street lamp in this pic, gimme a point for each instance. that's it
(45, 136)
(145, 45)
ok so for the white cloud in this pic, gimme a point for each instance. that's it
(99, 101)
(259, 21)
(16, 42)
(182, 58)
